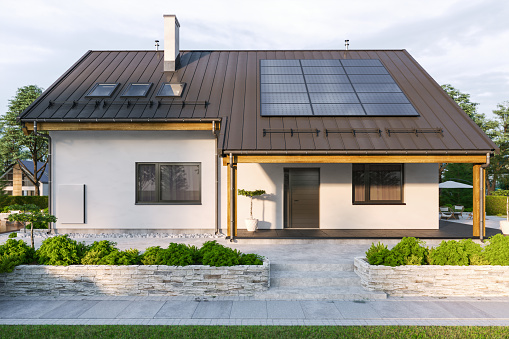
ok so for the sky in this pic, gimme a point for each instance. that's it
(464, 43)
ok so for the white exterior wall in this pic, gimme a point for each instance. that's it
(105, 161)
(420, 196)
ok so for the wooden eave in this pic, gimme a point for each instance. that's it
(125, 126)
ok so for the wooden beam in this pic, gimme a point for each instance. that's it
(476, 182)
(231, 231)
(122, 126)
(338, 159)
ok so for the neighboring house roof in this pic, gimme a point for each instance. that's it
(226, 85)
(29, 169)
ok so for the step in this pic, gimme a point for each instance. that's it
(313, 278)
(340, 265)
(320, 293)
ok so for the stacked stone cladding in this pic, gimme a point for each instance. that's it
(433, 280)
(143, 280)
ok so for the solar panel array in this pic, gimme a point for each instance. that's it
(353, 87)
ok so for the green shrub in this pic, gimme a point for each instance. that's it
(61, 250)
(116, 257)
(149, 257)
(7, 200)
(456, 253)
(13, 253)
(174, 255)
(497, 250)
(98, 251)
(409, 251)
(214, 254)
(13, 235)
(250, 259)
(376, 254)
(496, 205)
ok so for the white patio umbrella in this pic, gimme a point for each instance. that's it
(453, 184)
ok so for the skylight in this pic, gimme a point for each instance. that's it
(353, 87)
(137, 90)
(102, 90)
(171, 90)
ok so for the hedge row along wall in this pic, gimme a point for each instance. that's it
(7, 200)
(143, 280)
(496, 205)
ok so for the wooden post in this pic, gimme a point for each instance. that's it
(476, 182)
(232, 199)
(17, 180)
(483, 195)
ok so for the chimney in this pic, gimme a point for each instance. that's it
(171, 43)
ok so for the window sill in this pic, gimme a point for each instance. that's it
(168, 203)
(379, 203)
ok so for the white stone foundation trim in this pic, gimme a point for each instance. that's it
(433, 280)
(143, 280)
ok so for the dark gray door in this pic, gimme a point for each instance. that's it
(302, 197)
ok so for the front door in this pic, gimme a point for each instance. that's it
(302, 197)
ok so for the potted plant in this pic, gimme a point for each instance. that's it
(251, 223)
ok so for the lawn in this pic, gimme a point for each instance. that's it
(140, 331)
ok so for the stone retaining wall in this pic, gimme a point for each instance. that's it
(433, 280)
(135, 280)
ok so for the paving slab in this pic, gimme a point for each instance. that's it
(213, 309)
(283, 309)
(27, 309)
(177, 310)
(411, 309)
(106, 309)
(70, 309)
(249, 309)
(357, 309)
(320, 309)
(461, 309)
(493, 308)
(141, 310)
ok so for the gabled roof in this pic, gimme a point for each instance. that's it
(226, 85)
(28, 168)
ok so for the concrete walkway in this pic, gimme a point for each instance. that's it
(249, 311)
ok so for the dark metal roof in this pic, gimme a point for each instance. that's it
(226, 84)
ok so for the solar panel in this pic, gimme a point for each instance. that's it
(338, 109)
(326, 79)
(323, 70)
(284, 88)
(285, 98)
(281, 79)
(280, 70)
(334, 98)
(286, 110)
(383, 98)
(352, 87)
(390, 109)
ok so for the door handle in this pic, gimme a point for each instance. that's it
(296, 200)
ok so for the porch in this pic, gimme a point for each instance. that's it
(447, 230)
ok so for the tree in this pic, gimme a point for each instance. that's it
(31, 214)
(499, 163)
(14, 145)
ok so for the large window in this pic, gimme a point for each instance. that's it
(377, 183)
(168, 183)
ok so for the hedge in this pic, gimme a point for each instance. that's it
(7, 200)
(496, 205)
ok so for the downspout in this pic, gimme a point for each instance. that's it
(482, 194)
(50, 183)
(232, 199)
(216, 174)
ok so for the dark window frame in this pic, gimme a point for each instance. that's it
(159, 201)
(124, 95)
(88, 95)
(367, 200)
(182, 86)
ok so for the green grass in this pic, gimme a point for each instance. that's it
(203, 332)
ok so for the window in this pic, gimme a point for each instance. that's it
(102, 90)
(137, 90)
(168, 183)
(377, 183)
(170, 90)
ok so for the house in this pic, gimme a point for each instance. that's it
(17, 179)
(339, 139)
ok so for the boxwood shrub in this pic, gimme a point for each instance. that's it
(496, 205)
(8, 200)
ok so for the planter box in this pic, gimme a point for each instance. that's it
(141, 280)
(433, 280)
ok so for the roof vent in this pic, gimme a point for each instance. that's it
(171, 42)
(157, 45)
(347, 43)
